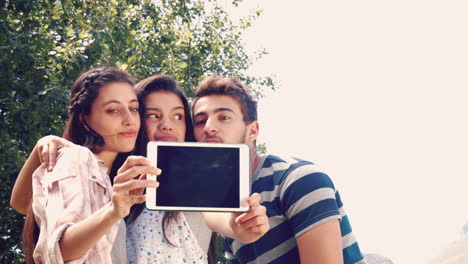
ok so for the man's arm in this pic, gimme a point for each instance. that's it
(219, 222)
(310, 204)
(321, 244)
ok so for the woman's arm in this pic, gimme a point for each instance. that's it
(80, 237)
(45, 151)
(21, 195)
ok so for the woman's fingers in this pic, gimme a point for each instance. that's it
(134, 171)
(127, 190)
(41, 149)
(48, 155)
(52, 157)
(132, 161)
(121, 203)
(124, 196)
(128, 186)
(48, 147)
(136, 199)
(129, 199)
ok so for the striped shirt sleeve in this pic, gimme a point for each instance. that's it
(307, 197)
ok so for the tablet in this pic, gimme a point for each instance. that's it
(199, 176)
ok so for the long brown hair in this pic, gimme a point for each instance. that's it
(30, 235)
(145, 87)
(84, 92)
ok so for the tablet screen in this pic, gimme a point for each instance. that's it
(198, 177)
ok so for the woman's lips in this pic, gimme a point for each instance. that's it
(166, 138)
(130, 133)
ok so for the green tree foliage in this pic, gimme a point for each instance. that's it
(45, 44)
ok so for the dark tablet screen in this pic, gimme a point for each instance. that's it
(198, 177)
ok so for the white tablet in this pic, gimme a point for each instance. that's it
(199, 176)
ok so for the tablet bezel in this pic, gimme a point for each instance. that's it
(244, 171)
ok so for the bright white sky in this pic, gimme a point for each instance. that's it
(375, 92)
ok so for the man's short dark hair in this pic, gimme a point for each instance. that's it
(217, 85)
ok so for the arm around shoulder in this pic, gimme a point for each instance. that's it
(45, 151)
(21, 194)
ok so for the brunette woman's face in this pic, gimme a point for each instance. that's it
(164, 117)
(115, 117)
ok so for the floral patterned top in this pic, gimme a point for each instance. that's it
(146, 243)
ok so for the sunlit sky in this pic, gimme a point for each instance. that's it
(374, 92)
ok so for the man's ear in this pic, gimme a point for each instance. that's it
(252, 131)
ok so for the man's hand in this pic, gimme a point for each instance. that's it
(250, 226)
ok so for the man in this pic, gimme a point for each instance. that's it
(305, 213)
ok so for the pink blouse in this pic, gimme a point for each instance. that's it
(77, 187)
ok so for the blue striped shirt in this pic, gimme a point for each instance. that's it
(298, 197)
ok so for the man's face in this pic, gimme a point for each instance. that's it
(218, 118)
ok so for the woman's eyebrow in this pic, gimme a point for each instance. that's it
(111, 101)
(118, 102)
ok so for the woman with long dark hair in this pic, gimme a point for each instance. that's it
(78, 211)
(166, 118)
